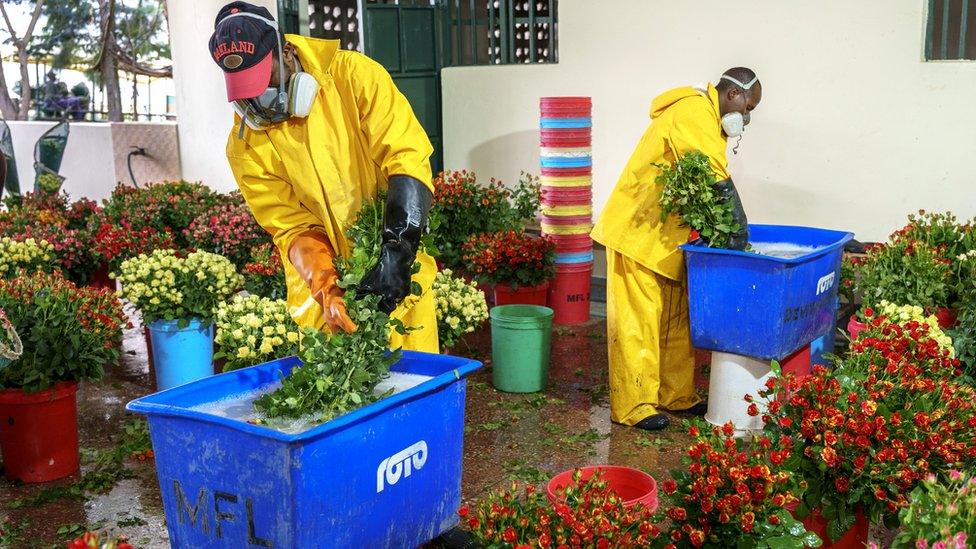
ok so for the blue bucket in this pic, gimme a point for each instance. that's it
(760, 306)
(181, 355)
(385, 475)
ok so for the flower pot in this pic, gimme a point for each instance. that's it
(855, 327)
(524, 295)
(947, 317)
(181, 355)
(855, 538)
(101, 278)
(632, 485)
(39, 433)
(520, 347)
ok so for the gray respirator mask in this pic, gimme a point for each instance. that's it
(275, 105)
(734, 123)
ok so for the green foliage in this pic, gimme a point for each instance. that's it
(340, 371)
(688, 191)
(964, 336)
(905, 272)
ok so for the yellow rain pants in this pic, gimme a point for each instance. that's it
(651, 358)
(314, 173)
(652, 362)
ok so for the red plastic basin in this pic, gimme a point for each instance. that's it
(632, 485)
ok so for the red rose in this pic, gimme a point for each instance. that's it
(842, 484)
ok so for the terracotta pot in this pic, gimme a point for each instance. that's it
(524, 295)
(39, 433)
(101, 278)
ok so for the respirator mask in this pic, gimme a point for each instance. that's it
(277, 104)
(734, 123)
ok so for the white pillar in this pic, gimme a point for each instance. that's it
(204, 116)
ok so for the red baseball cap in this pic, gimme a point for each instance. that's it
(243, 44)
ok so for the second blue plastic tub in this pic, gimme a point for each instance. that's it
(762, 306)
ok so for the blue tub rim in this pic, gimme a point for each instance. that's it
(843, 238)
(151, 405)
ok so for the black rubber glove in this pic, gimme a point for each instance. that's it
(726, 190)
(408, 202)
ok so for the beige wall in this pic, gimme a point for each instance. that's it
(854, 130)
(94, 158)
(205, 117)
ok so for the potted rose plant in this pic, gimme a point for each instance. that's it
(177, 297)
(588, 515)
(863, 435)
(519, 265)
(68, 334)
(461, 308)
(264, 274)
(229, 230)
(942, 513)
(733, 494)
(111, 245)
(169, 205)
(28, 254)
(253, 329)
(463, 207)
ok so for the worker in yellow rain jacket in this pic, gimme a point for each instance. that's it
(651, 357)
(318, 131)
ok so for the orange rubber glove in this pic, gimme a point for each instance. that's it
(311, 254)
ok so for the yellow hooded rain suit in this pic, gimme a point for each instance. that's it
(314, 173)
(651, 357)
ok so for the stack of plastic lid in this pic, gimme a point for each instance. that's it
(567, 202)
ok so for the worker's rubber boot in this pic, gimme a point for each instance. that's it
(697, 410)
(656, 422)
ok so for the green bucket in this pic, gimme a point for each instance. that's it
(520, 347)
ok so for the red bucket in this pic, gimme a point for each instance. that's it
(568, 220)
(524, 295)
(572, 243)
(567, 196)
(631, 485)
(568, 137)
(799, 363)
(572, 107)
(855, 538)
(569, 295)
(567, 172)
(39, 433)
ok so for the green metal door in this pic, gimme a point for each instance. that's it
(405, 36)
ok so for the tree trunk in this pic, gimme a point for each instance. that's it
(25, 89)
(7, 106)
(107, 65)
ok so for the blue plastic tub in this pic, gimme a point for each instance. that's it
(761, 306)
(181, 355)
(386, 475)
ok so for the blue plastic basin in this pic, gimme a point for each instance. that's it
(385, 475)
(762, 306)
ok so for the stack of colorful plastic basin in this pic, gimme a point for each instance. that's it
(567, 202)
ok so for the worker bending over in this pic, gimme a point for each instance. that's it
(318, 131)
(651, 357)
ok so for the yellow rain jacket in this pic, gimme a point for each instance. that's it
(315, 172)
(683, 119)
(651, 357)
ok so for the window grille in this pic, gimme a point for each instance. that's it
(950, 30)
